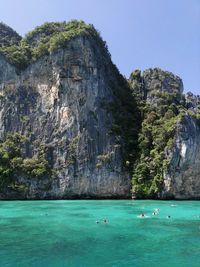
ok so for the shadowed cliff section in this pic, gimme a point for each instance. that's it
(75, 113)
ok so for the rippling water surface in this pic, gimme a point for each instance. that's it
(65, 233)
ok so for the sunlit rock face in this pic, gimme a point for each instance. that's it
(62, 102)
(182, 178)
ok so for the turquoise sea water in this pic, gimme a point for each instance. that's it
(65, 233)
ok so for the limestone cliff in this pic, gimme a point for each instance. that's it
(68, 103)
(72, 127)
(182, 177)
(169, 137)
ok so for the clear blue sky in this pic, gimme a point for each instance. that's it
(139, 33)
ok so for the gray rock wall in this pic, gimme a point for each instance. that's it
(182, 178)
(157, 88)
(61, 102)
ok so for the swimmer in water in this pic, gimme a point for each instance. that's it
(142, 215)
(154, 213)
(97, 221)
(104, 220)
(168, 216)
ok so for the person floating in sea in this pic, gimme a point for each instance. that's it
(168, 216)
(142, 214)
(97, 221)
(157, 210)
(104, 221)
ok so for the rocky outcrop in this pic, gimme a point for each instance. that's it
(63, 103)
(169, 137)
(192, 102)
(8, 35)
(152, 84)
(182, 177)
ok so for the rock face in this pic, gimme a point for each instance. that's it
(152, 83)
(192, 102)
(161, 93)
(8, 35)
(182, 178)
(80, 117)
(63, 103)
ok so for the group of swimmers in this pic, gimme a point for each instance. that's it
(155, 212)
(104, 221)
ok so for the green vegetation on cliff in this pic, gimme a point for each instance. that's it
(8, 36)
(44, 40)
(160, 115)
(13, 161)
